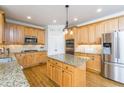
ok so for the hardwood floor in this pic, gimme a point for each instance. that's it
(37, 78)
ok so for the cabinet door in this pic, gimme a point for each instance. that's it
(95, 63)
(100, 29)
(49, 70)
(11, 33)
(20, 58)
(67, 79)
(20, 34)
(54, 73)
(27, 31)
(28, 62)
(85, 35)
(58, 77)
(80, 35)
(111, 25)
(1, 28)
(41, 37)
(92, 30)
(121, 23)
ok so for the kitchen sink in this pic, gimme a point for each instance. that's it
(6, 59)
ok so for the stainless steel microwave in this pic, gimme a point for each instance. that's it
(30, 40)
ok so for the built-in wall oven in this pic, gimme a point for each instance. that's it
(70, 46)
(30, 40)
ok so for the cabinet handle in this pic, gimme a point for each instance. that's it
(62, 70)
(56, 63)
(66, 67)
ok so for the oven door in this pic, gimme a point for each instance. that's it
(70, 46)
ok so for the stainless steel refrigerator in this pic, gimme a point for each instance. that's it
(113, 56)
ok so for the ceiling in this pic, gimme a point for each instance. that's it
(43, 15)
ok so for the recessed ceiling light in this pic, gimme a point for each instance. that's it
(28, 17)
(75, 19)
(99, 10)
(54, 21)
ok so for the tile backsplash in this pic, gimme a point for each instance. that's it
(19, 48)
(96, 49)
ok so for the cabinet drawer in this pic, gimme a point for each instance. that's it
(57, 63)
(67, 67)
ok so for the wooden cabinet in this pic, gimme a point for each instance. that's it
(100, 29)
(58, 75)
(95, 63)
(121, 23)
(31, 59)
(49, 70)
(83, 35)
(10, 33)
(19, 34)
(41, 36)
(67, 78)
(1, 27)
(28, 31)
(111, 25)
(40, 57)
(65, 75)
(91, 31)
(15, 34)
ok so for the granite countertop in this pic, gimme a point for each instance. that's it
(89, 53)
(70, 59)
(11, 75)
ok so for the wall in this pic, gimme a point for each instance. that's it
(93, 49)
(55, 39)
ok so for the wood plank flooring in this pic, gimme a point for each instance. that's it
(37, 78)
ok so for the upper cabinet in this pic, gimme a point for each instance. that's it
(15, 34)
(41, 36)
(83, 35)
(100, 29)
(92, 31)
(111, 25)
(1, 27)
(121, 23)
(19, 34)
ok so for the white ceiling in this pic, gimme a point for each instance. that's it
(43, 15)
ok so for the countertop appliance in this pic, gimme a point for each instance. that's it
(30, 40)
(113, 56)
(70, 46)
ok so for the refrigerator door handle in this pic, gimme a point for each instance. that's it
(114, 47)
(118, 46)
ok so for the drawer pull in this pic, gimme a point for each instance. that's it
(56, 63)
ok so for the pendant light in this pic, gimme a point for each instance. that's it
(66, 26)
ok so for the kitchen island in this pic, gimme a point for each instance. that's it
(11, 75)
(67, 70)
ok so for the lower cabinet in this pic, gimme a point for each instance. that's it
(65, 75)
(31, 59)
(95, 63)
(67, 78)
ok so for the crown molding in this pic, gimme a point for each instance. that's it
(102, 18)
(23, 23)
